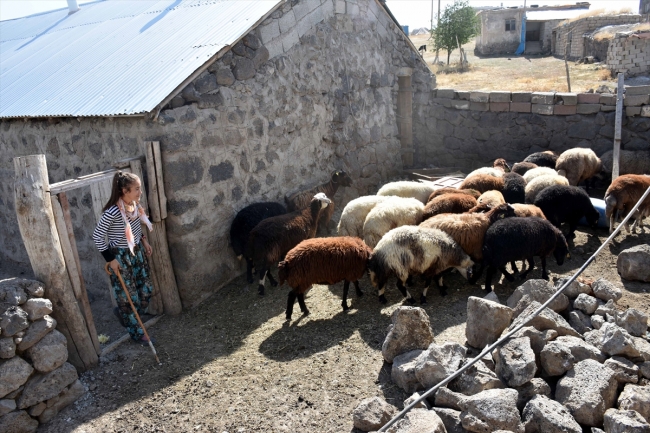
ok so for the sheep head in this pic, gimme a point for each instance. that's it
(466, 269)
(322, 198)
(341, 177)
(502, 164)
(561, 248)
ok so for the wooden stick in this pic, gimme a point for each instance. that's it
(566, 63)
(111, 347)
(154, 202)
(162, 198)
(617, 126)
(162, 264)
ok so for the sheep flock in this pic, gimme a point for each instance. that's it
(497, 216)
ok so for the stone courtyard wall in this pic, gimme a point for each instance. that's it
(629, 54)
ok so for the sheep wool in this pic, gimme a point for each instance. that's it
(482, 183)
(578, 164)
(408, 189)
(523, 167)
(622, 195)
(539, 171)
(499, 167)
(630, 162)
(542, 159)
(415, 250)
(567, 204)
(323, 261)
(514, 188)
(527, 210)
(535, 186)
(355, 213)
(391, 213)
(491, 198)
(449, 203)
(449, 190)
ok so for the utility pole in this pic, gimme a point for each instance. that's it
(435, 61)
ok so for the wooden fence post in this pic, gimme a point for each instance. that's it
(617, 126)
(41, 239)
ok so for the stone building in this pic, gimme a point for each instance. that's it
(644, 8)
(249, 100)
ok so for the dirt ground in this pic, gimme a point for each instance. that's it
(234, 364)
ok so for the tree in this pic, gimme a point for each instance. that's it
(457, 21)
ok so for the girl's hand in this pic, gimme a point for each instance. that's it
(115, 266)
(147, 249)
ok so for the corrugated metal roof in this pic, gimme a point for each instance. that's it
(566, 14)
(113, 57)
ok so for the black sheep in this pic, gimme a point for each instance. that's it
(542, 159)
(517, 238)
(244, 222)
(567, 204)
(514, 188)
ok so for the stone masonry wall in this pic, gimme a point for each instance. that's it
(470, 129)
(295, 100)
(629, 54)
(576, 29)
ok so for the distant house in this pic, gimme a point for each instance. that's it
(501, 28)
(644, 7)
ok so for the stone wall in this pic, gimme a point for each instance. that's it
(36, 382)
(296, 99)
(629, 54)
(470, 129)
(546, 36)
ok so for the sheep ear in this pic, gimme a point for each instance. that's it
(568, 255)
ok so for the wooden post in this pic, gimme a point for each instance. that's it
(161, 262)
(41, 239)
(617, 126)
(566, 63)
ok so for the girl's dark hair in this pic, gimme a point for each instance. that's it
(121, 180)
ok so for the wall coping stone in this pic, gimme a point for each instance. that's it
(479, 97)
(545, 109)
(546, 98)
(637, 90)
(499, 96)
(568, 98)
(607, 99)
(588, 108)
(564, 110)
(520, 107)
(499, 106)
(588, 98)
(463, 95)
(446, 93)
(636, 100)
(521, 96)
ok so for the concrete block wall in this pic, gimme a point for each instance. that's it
(629, 54)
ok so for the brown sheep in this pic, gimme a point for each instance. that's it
(527, 210)
(323, 261)
(482, 183)
(449, 203)
(622, 195)
(449, 190)
(523, 167)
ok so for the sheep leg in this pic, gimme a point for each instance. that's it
(346, 287)
(249, 270)
(488, 278)
(441, 286)
(290, 301)
(271, 279)
(544, 273)
(260, 287)
(410, 281)
(357, 288)
(405, 293)
(477, 274)
(513, 265)
(505, 273)
(301, 302)
(382, 289)
(531, 265)
(611, 221)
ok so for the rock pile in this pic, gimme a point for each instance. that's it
(36, 382)
(580, 364)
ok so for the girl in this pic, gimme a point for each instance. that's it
(126, 249)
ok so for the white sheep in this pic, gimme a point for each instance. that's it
(578, 164)
(539, 171)
(499, 167)
(392, 212)
(354, 215)
(536, 185)
(404, 188)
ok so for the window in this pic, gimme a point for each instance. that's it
(511, 25)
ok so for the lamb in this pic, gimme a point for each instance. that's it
(355, 213)
(491, 199)
(535, 186)
(521, 239)
(514, 188)
(391, 213)
(562, 203)
(301, 199)
(539, 171)
(630, 162)
(499, 167)
(273, 237)
(415, 250)
(482, 183)
(527, 210)
(542, 159)
(245, 220)
(449, 190)
(408, 189)
(449, 203)
(523, 167)
(621, 196)
(577, 165)
(323, 261)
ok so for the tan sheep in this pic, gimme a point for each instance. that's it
(536, 185)
(577, 165)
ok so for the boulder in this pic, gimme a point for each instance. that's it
(536, 290)
(613, 340)
(635, 397)
(643, 346)
(632, 263)
(438, 362)
(515, 362)
(410, 330)
(18, 422)
(574, 289)
(13, 320)
(580, 321)
(11, 294)
(644, 369)
(536, 386)
(538, 340)
(492, 297)
(49, 353)
(450, 418)
(494, 409)
(547, 319)
(587, 390)
(543, 415)
(418, 421)
(372, 414)
(608, 307)
(36, 331)
(585, 303)
(447, 398)
(36, 308)
(582, 350)
(422, 404)
(556, 358)
(633, 321)
(485, 321)
(625, 421)
(475, 379)
(7, 405)
(403, 371)
(13, 373)
(7, 348)
(33, 288)
(625, 371)
(605, 290)
(596, 321)
(37, 409)
(66, 398)
(43, 387)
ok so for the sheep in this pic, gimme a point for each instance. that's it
(539, 171)
(562, 203)
(415, 250)
(301, 199)
(630, 162)
(527, 210)
(621, 196)
(482, 183)
(323, 261)
(491, 199)
(408, 189)
(449, 190)
(521, 239)
(514, 188)
(355, 213)
(391, 213)
(535, 186)
(273, 237)
(542, 159)
(578, 164)
(499, 167)
(449, 203)
(523, 167)
(245, 220)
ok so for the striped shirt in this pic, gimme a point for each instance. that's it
(111, 225)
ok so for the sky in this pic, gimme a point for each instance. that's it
(413, 13)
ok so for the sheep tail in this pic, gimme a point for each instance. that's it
(283, 272)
